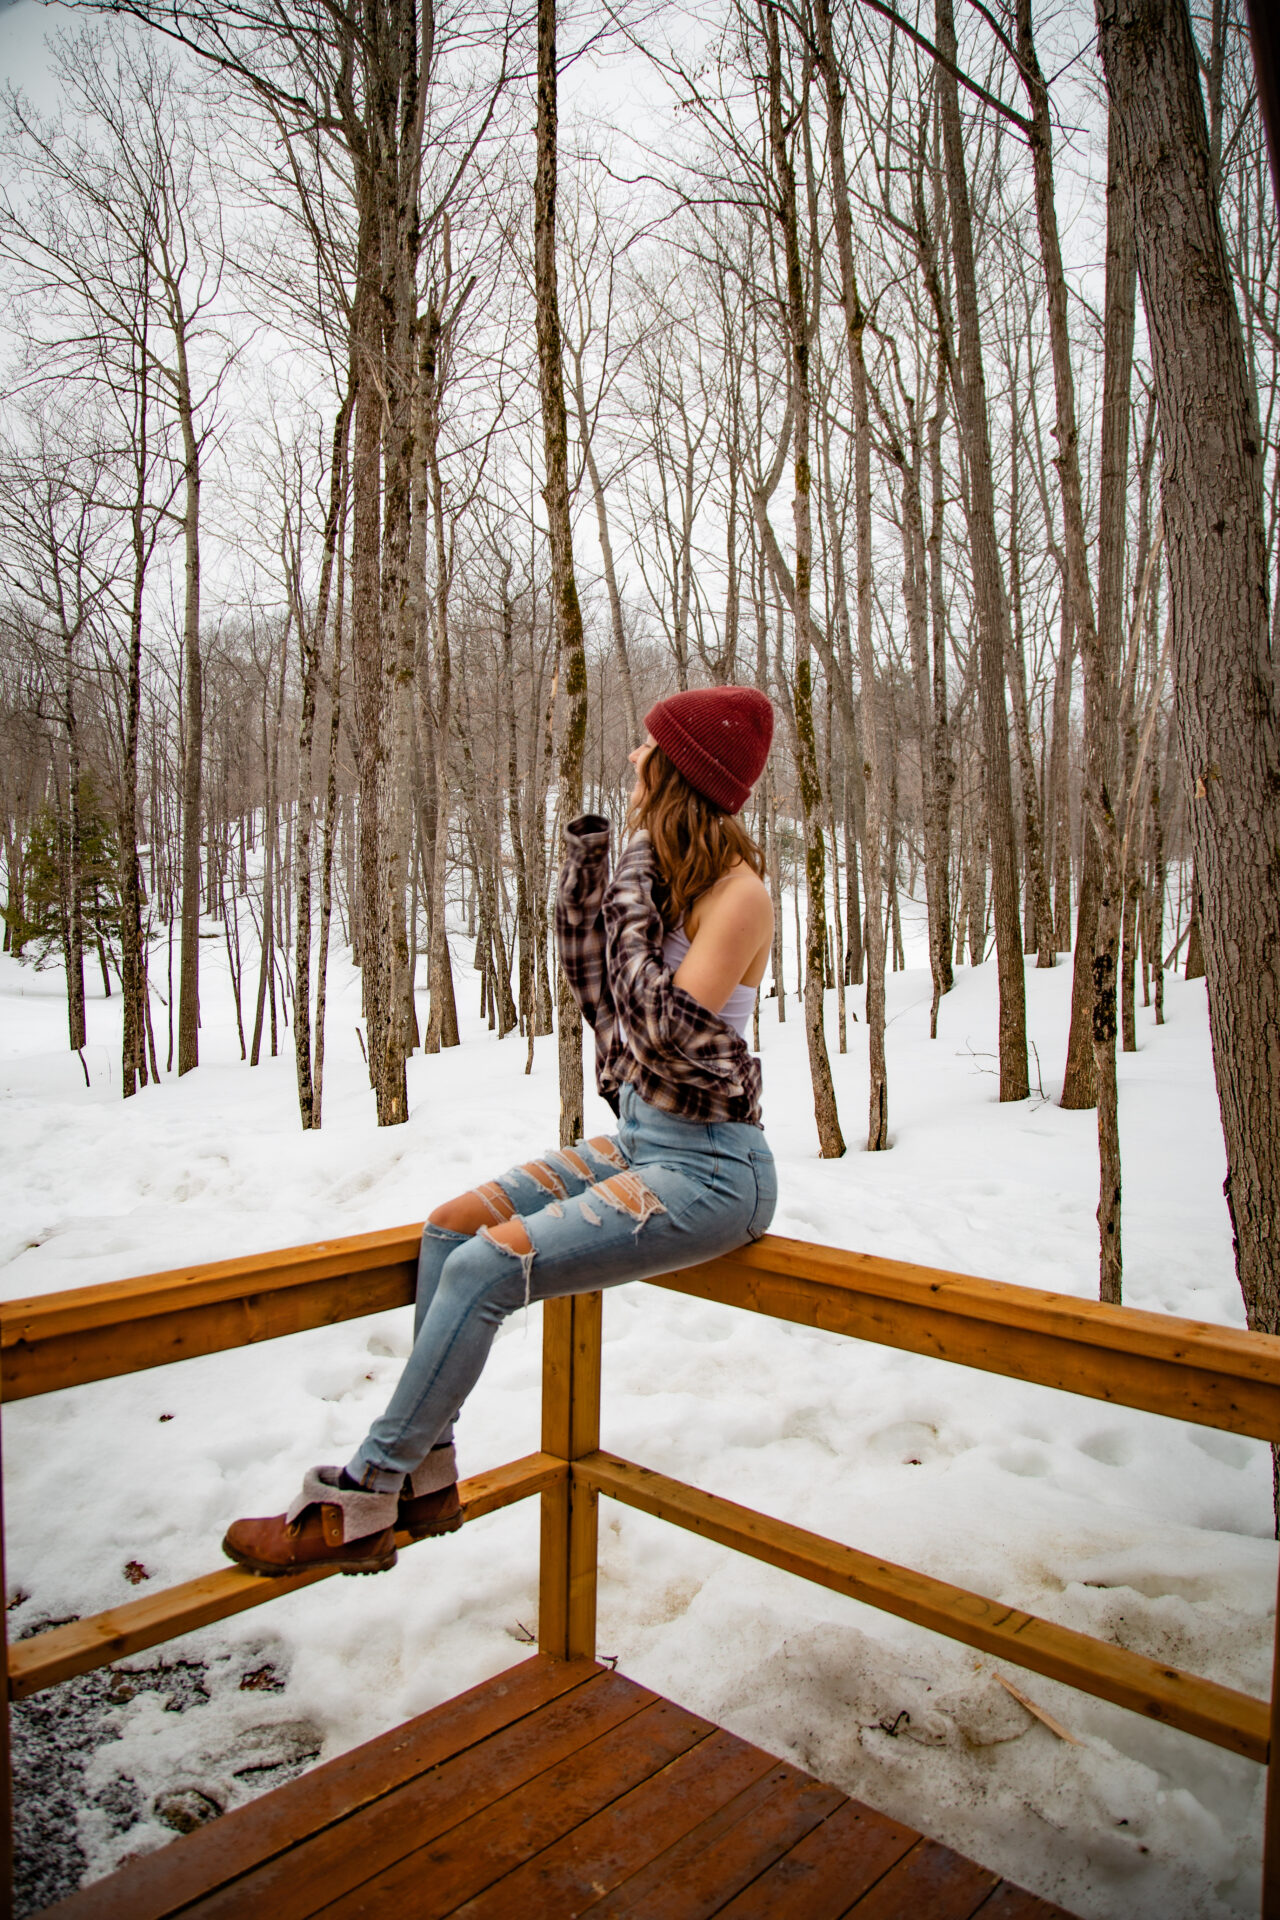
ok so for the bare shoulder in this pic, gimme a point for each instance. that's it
(738, 897)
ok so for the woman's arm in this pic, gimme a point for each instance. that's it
(579, 919)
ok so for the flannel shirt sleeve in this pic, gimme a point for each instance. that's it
(579, 918)
(668, 1031)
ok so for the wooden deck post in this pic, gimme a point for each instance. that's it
(570, 1428)
(1271, 1815)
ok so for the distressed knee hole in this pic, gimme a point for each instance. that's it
(462, 1215)
(627, 1193)
(588, 1213)
(512, 1238)
(546, 1177)
(576, 1162)
(607, 1150)
(495, 1200)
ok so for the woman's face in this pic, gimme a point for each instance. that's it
(637, 757)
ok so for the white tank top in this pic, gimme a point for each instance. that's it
(737, 1009)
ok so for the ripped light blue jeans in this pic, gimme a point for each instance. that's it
(660, 1194)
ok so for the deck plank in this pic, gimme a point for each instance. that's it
(556, 1789)
(267, 1828)
(624, 1837)
(702, 1872)
(830, 1868)
(333, 1862)
(929, 1883)
(1012, 1903)
(435, 1880)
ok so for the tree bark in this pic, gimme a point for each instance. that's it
(1224, 702)
(366, 611)
(1099, 639)
(564, 589)
(193, 712)
(311, 635)
(988, 586)
(76, 1025)
(830, 1137)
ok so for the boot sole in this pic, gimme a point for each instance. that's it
(327, 1566)
(429, 1533)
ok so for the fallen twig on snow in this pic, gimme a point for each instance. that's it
(1054, 1726)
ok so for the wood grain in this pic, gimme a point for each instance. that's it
(480, 1851)
(84, 1645)
(266, 1829)
(1167, 1694)
(406, 1832)
(1187, 1369)
(570, 1426)
(621, 1839)
(700, 1873)
(1011, 1903)
(929, 1883)
(65, 1339)
(830, 1869)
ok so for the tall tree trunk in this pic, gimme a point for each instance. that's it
(564, 589)
(330, 825)
(442, 1020)
(133, 952)
(1059, 785)
(616, 624)
(193, 725)
(311, 633)
(1224, 699)
(988, 586)
(1039, 912)
(1099, 640)
(515, 829)
(366, 610)
(75, 888)
(941, 757)
(400, 606)
(830, 1138)
(855, 320)
(1153, 939)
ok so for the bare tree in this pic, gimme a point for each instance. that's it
(564, 587)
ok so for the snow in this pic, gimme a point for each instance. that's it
(1144, 1530)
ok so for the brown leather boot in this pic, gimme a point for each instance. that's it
(327, 1526)
(429, 1503)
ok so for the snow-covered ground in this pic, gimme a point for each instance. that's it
(1145, 1530)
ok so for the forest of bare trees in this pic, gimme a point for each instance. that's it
(373, 457)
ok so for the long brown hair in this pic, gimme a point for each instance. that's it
(695, 841)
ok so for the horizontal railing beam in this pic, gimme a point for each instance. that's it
(1187, 1369)
(84, 1645)
(1215, 1713)
(96, 1333)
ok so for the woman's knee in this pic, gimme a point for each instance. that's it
(487, 1275)
(453, 1215)
(467, 1212)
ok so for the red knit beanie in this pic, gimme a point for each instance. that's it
(718, 738)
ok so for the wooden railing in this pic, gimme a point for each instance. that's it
(1211, 1376)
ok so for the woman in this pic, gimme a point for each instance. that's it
(664, 962)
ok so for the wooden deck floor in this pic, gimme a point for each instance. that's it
(560, 1788)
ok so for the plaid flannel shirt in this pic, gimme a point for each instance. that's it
(676, 1053)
